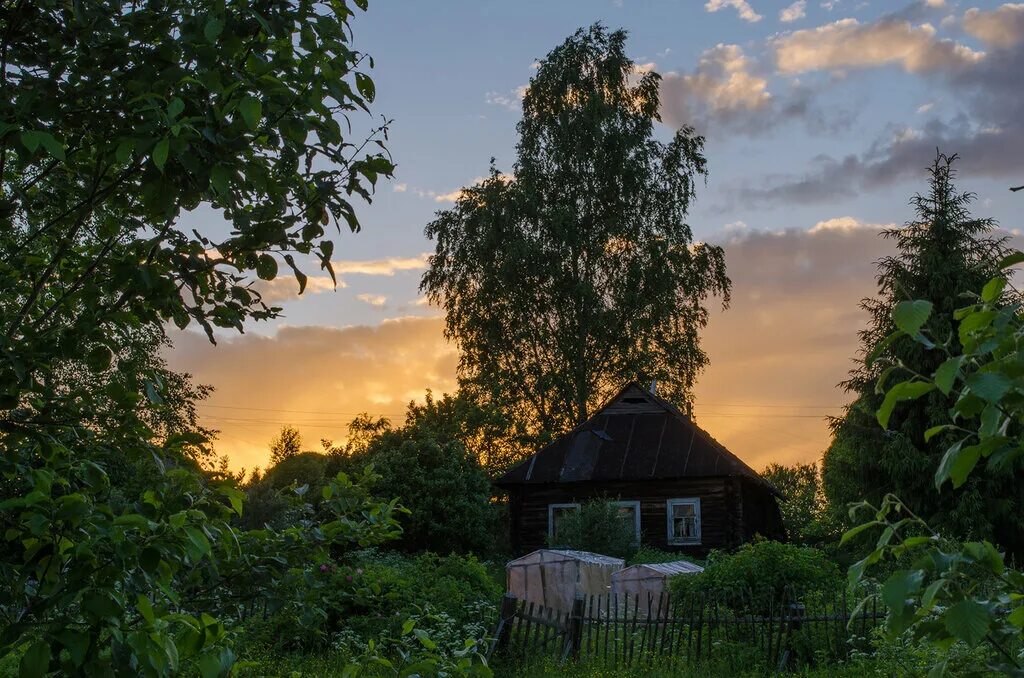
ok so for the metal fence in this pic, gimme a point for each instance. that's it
(767, 628)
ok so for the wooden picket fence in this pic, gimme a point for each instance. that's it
(776, 630)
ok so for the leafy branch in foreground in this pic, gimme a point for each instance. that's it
(954, 591)
(116, 119)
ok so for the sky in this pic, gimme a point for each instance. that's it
(820, 118)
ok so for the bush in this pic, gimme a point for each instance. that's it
(646, 554)
(373, 597)
(762, 566)
(597, 527)
(444, 487)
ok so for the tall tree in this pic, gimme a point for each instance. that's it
(942, 255)
(578, 271)
(115, 118)
(286, 444)
(804, 511)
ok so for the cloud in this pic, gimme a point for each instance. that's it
(742, 7)
(728, 92)
(400, 188)
(454, 196)
(845, 225)
(847, 43)
(323, 376)
(795, 302)
(1001, 27)
(722, 85)
(798, 10)
(378, 301)
(988, 134)
(924, 108)
(795, 296)
(285, 287)
(512, 100)
(386, 266)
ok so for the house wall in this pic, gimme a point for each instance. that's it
(721, 508)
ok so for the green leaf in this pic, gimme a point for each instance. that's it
(52, 146)
(31, 141)
(209, 665)
(77, 644)
(175, 108)
(266, 267)
(36, 661)
(365, 86)
(946, 373)
(251, 110)
(160, 153)
(219, 176)
(213, 28)
(936, 430)
(968, 621)
(854, 531)
(910, 316)
(99, 358)
(973, 322)
(145, 609)
(990, 386)
(124, 151)
(899, 586)
(198, 539)
(1011, 260)
(299, 275)
(907, 390)
(928, 597)
(1017, 617)
(992, 289)
(234, 495)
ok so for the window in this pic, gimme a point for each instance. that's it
(630, 513)
(683, 521)
(555, 514)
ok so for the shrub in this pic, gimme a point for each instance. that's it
(646, 554)
(444, 487)
(597, 527)
(765, 567)
(373, 597)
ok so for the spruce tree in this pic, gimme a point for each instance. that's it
(943, 255)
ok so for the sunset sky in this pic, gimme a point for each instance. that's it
(820, 118)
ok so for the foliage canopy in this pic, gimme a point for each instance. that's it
(942, 255)
(578, 272)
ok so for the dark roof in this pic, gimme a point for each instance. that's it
(635, 436)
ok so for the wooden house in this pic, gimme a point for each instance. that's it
(677, 486)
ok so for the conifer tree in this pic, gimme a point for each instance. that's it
(942, 255)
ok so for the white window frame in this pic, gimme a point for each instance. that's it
(636, 515)
(551, 515)
(681, 501)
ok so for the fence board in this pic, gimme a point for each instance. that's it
(775, 623)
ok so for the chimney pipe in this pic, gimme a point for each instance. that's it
(654, 387)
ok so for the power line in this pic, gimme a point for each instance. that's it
(401, 414)
(274, 409)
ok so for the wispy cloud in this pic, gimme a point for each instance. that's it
(375, 300)
(1001, 27)
(386, 266)
(847, 43)
(512, 100)
(742, 7)
(285, 287)
(798, 10)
